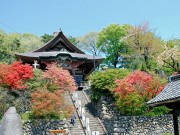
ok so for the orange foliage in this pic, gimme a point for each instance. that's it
(45, 103)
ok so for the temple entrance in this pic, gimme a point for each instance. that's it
(79, 77)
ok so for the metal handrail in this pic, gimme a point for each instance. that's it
(79, 117)
(96, 117)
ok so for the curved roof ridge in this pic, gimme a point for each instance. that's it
(46, 45)
(59, 36)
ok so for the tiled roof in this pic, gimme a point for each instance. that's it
(37, 54)
(171, 93)
(54, 54)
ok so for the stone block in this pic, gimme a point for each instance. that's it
(11, 123)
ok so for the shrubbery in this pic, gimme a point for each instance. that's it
(58, 79)
(46, 88)
(37, 82)
(48, 101)
(103, 81)
(16, 75)
(135, 90)
(131, 104)
(130, 90)
(47, 104)
(13, 88)
(19, 99)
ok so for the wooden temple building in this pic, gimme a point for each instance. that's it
(170, 97)
(63, 52)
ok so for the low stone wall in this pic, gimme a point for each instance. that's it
(142, 125)
(42, 127)
(131, 125)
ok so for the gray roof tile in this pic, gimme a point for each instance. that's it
(54, 54)
(170, 93)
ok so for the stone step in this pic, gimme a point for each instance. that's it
(93, 121)
(77, 129)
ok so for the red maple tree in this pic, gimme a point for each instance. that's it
(139, 82)
(56, 75)
(48, 104)
(16, 75)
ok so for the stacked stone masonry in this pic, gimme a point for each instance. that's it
(131, 125)
(42, 127)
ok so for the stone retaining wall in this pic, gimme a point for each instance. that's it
(42, 127)
(131, 125)
(142, 125)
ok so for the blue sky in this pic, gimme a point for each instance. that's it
(78, 17)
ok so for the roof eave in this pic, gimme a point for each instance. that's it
(27, 58)
(98, 61)
(165, 102)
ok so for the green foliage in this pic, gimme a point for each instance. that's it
(4, 103)
(167, 70)
(30, 42)
(18, 99)
(11, 43)
(88, 43)
(36, 82)
(132, 104)
(46, 38)
(52, 87)
(27, 115)
(110, 42)
(103, 81)
(168, 133)
(169, 59)
(73, 40)
(145, 46)
(95, 96)
(157, 111)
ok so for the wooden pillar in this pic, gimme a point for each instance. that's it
(73, 72)
(175, 123)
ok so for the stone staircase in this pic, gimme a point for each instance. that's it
(77, 129)
(94, 122)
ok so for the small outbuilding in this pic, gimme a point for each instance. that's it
(170, 97)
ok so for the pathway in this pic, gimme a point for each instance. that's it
(95, 124)
(78, 129)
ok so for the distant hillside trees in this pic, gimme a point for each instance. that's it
(145, 47)
(46, 38)
(11, 43)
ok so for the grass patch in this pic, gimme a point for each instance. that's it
(30, 116)
(168, 134)
(27, 116)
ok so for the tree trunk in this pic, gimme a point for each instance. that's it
(146, 57)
